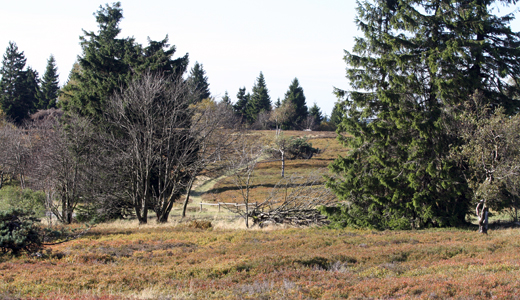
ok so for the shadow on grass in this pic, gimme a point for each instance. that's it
(235, 188)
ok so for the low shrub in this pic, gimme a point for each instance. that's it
(18, 231)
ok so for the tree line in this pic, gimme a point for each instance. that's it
(431, 120)
(128, 133)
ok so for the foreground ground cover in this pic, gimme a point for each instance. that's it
(184, 262)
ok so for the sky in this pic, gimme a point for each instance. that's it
(234, 40)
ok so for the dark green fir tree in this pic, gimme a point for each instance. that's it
(296, 97)
(260, 100)
(240, 107)
(226, 99)
(316, 114)
(108, 63)
(18, 87)
(199, 80)
(415, 66)
(49, 85)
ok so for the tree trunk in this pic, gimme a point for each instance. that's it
(141, 212)
(283, 163)
(188, 190)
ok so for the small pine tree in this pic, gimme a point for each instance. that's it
(240, 107)
(226, 99)
(49, 85)
(316, 113)
(18, 232)
(199, 80)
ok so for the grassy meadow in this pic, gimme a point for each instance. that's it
(188, 259)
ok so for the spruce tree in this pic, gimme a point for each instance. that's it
(49, 85)
(278, 103)
(240, 107)
(417, 62)
(17, 87)
(31, 90)
(260, 100)
(316, 114)
(296, 97)
(199, 80)
(108, 63)
(226, 99)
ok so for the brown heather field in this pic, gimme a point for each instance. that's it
(186, 260)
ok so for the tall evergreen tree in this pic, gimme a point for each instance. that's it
(416, 64)
(296, 97)
(49, 85)
(31, 89)
(199, 80)
(18, 88)
(260, 100)
(108, 63)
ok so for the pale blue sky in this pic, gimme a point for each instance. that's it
(233, 39)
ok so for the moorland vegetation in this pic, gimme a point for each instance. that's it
(187, 197)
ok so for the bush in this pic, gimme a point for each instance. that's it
(18, 231)
(301, 148)
(26, 199)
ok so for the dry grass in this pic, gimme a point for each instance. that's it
(121, 260)
(267, 173)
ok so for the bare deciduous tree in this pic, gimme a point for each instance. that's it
(241, 165)
(156, 136)
(15, 152)
(61, 163)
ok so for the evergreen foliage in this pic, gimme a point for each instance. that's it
(199, 80)
(18, 232)
(260, 100)
(108, 63)
(295, 97)
(316, 113)
(18, 88)
(417, 62)
(336, 116)
(240, 107)
(226, 99)
(49, 85)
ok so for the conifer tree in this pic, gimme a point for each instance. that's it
(240, 107)
(296, 97)
(199, 80)
(278, 103)
(316, 113)
(49, 85)
(108, 63)
(260, 100)
(417, 62)
(31, 89)
(226, 99)
(18, 88)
